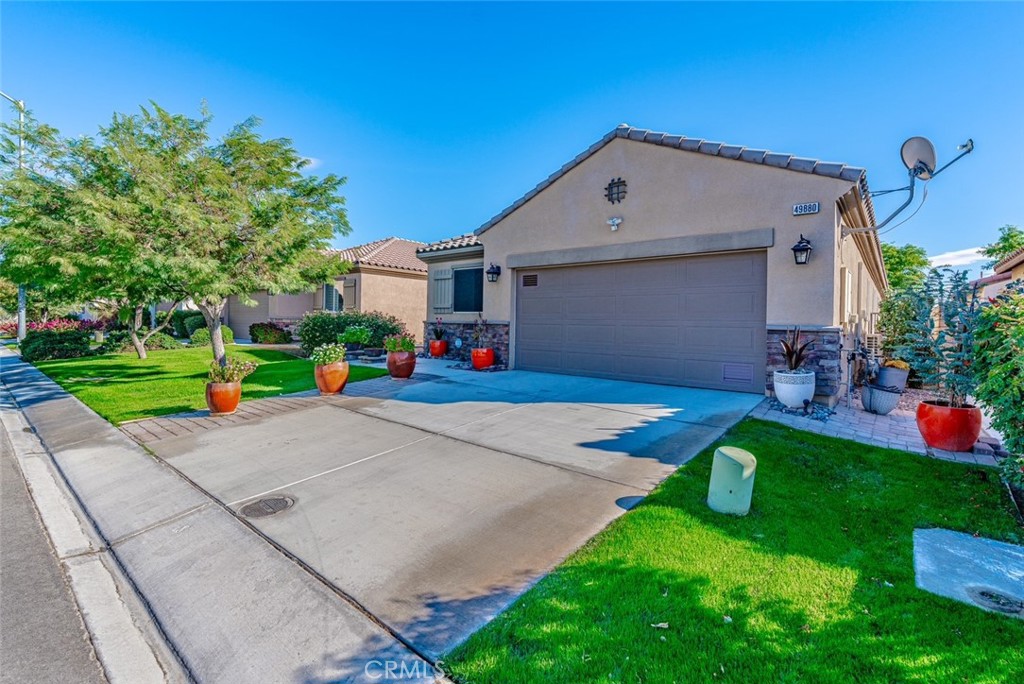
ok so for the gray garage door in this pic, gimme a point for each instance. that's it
(240, 316)
(697, 321)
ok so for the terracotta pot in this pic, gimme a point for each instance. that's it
(483, 358)
(222, 397)
(331, 379)
(438, 348)
(951, 429)
(401, 364)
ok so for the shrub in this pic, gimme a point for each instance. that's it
(40, 345)
(895, 322)
(323, 327)
(178, 318)
(355, 334)
(9, 328)
(232, 371)
(193, 323)
(269, 333)
(327, 353)
(121, 341)
(402, 342)
(999, 370)
(201, 337)
(317, 328)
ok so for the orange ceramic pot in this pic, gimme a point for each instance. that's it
(483, 358)
(438, 348)
(401, 364)
(331, 379)
(944, 427)
(222, 397)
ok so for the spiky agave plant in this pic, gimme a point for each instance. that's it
(794, 352)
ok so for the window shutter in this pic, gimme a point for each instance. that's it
(442, 278)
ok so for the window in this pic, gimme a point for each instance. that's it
(332, 302)
(468, 290)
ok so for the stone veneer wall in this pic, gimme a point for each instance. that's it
(495, 336)
(823, 357)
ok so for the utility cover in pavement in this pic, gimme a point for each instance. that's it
(269, 506)
(982, 572)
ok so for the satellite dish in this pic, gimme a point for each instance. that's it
(918, 152)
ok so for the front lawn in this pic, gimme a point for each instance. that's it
(122, 387)
(815, 585)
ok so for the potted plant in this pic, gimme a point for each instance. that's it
(482, 357)
(401, 350)
(438, 345)
(224, 390)
(354, 337)
(330, 369)
(940, 348)
(794, 387)
(893, 373)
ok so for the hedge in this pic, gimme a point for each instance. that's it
(40, 345)
(119, 341)
(269, 333)
(178, 318)
(194, 323)
(201, 337)
(323, 327)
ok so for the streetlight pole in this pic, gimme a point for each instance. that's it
(20, 104)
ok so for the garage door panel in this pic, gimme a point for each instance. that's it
(696, 321)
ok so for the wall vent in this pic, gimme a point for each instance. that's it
(738, 372)
(530, 280)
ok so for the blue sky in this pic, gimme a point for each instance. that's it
(442, 114)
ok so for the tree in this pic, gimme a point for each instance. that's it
(905, 266)
(237, 215)
(74, 228)
(1011, 238)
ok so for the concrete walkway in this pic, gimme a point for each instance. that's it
(230, 604)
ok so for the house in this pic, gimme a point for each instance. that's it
(660, 258)
(1013, 264)
(385, 276)
(991, 286)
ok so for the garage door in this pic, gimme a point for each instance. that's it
(697, 321)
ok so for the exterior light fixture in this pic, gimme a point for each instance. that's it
(615, 191)
(493, 272)
(802, 251)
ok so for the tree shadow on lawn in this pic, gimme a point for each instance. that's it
(601, 619)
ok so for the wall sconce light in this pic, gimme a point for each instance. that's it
(493, 272)
(802, 251)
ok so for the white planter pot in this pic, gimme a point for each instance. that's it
(794, 388)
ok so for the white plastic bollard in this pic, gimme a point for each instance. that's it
(732, 480)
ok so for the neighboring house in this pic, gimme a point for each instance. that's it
(991, 285)
(1012, 264)
(660, 258)
(385, 276)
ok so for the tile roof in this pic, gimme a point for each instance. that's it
(854, 174)
(1012, 259)
(457, 242)
(392, 252)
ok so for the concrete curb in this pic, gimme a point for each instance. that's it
(229, 605)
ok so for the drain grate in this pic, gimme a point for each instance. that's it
(269, 506)
(994, 600)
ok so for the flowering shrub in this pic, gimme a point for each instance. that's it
(10, 328)
(402, 342)
(233, 371)
(269, 333)
(323, 327)
(327, 354)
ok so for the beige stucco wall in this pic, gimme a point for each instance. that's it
(864, 295)
(397, 293)
(673, 193)
(1018, 272)
(239, 316)
(290, 307)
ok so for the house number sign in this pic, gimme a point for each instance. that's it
(805, 208)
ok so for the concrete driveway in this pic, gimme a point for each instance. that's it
(435, 503)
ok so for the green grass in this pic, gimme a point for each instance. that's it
(817, 581)
(121, 387)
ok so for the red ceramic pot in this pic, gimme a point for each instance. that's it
(951, 429)
(222, 397)
(483, 358)
(438, 348)
(331, 378)
(401, 364)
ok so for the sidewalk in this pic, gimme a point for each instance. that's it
(232, 606)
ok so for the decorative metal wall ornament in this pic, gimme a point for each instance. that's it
(616, 190)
